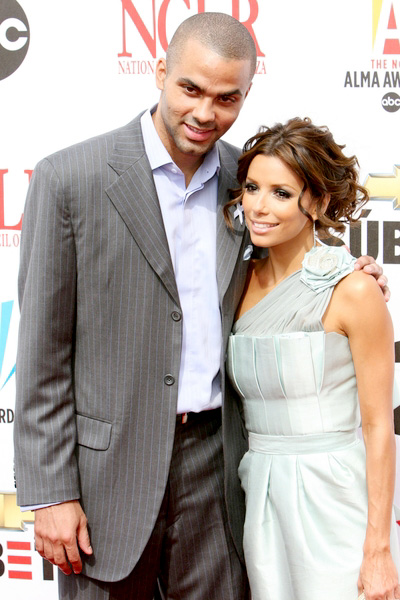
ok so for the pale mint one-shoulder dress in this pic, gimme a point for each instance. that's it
(305, 472)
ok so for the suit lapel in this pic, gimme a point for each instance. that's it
(135, 198)
(229, 241)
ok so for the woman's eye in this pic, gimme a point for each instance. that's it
(282, 193)
(250, 187)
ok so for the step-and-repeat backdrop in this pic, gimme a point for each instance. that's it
(70, 70)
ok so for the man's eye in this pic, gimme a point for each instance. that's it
(227, 99)
(190, 90)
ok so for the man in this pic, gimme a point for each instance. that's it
(126, 270)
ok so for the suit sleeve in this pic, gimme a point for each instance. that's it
(45, 429)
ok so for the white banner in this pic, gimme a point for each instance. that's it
(71, 70)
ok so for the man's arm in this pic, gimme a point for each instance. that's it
(45, 424)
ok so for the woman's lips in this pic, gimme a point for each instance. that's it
(262, 227)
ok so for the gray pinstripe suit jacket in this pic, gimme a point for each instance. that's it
(95, 414)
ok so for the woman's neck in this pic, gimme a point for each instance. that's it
(282, 261)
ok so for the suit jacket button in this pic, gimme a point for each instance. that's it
(176, 315)
(169, 380)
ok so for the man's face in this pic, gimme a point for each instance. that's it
(201, 97)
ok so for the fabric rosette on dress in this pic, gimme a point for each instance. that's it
(324, 266)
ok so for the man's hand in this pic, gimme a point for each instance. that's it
(368, 265)
(60, 531)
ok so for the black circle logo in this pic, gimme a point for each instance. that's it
(391, 102)
(14, 37)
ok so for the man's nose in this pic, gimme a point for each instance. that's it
(203, 112)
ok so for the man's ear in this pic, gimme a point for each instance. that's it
(248, 89)
(161, 73)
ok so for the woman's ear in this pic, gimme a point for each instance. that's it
(325, 203)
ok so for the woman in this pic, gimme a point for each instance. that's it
(311, 336)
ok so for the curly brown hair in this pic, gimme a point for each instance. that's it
(314, 156)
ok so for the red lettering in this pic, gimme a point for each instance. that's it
(392, 46)
(260, 69)
(150, 42)
(29, 173)
(248, 24)
(162, 19)
(392, 19)
(2, 220)
(162, 23)
(150, 39)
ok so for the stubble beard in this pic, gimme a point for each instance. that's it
(186, 146)
(179, 142)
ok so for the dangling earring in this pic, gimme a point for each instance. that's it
(314, 234)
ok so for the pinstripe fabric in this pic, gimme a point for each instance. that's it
(95, 418)
(231, 275)
(190, 549)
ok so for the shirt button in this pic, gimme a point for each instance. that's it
(169, 379)
(176, 315)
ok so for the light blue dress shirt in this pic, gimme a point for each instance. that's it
(190, 217)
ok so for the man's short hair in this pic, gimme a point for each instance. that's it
(218, 31)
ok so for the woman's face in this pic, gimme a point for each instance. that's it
(270, 203)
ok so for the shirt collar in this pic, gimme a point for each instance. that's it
(158, 155)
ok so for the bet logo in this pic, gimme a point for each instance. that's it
(391, 102)
(14, 37)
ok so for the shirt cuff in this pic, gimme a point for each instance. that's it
(37, 506)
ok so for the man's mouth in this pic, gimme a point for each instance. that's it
(196, 134)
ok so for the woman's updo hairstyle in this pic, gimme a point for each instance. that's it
(315, 157)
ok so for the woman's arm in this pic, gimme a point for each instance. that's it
(364, 318)
(368, 265)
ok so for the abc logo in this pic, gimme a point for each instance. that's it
(14, 37)
(391, 102)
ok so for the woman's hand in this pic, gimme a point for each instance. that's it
(378, 577)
